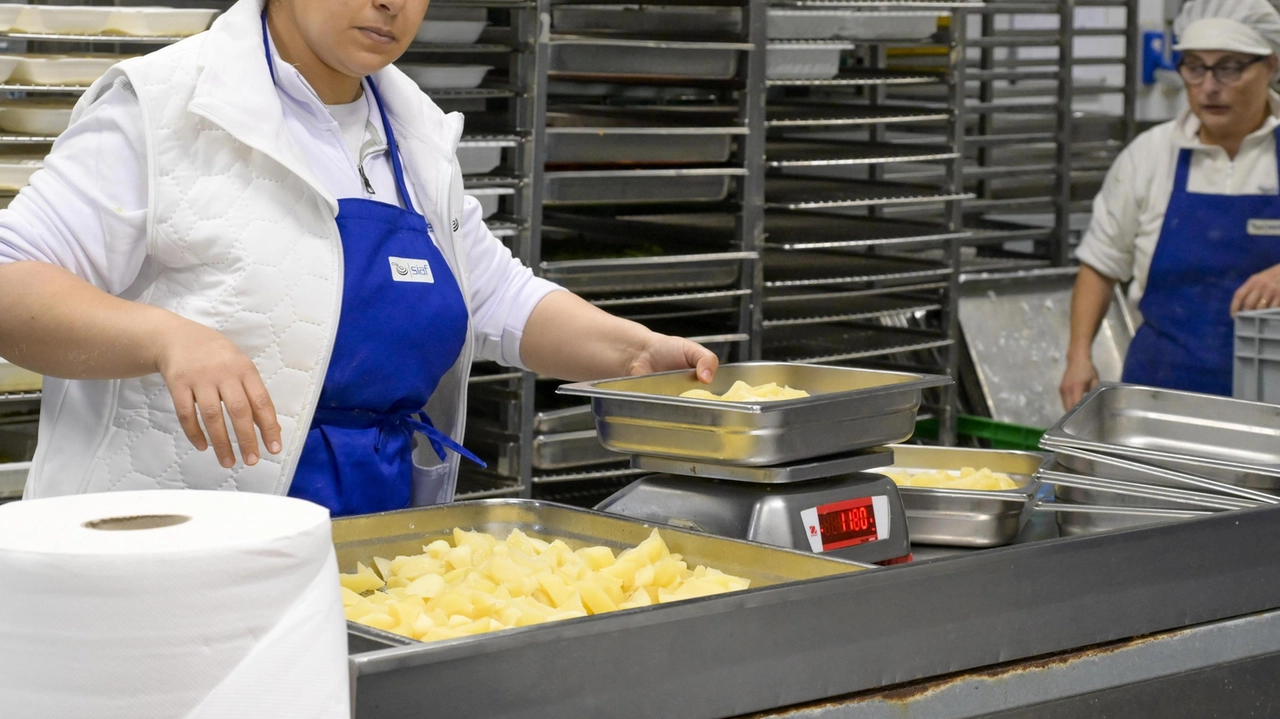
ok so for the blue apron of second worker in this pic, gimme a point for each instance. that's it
(1205, 253)
(403, 324)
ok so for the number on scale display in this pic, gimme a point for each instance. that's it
(844, 524)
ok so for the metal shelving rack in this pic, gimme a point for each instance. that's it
(863, 199)
(609, 223)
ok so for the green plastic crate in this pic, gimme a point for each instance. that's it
(996, 435)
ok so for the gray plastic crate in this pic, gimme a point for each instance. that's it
(1257, 366)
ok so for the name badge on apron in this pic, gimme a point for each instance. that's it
(1270, 228)
(404, 269)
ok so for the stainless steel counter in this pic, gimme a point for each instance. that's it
(946, 617)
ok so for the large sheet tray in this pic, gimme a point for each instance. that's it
(390, 534)
(637, 186)
(798, 193)
(1229, 440)
(849, 409)
(647, 274)
(630, 60)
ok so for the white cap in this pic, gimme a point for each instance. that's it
(1247, 26)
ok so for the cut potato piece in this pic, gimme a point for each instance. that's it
(743, 392)
(964, 478)
(479, 584)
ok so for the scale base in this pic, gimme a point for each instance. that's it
(765, 513)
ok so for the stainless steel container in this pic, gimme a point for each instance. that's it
(1229, 440)
(960, 517)
(789, 24)
(1105, 466)
(661, 20)
(849, 409)
(1078, 489)
(1077, 519)
(652, 136)
(390, 534)
(569, 419)
(563, 450)
(616, 187)
(643, 59)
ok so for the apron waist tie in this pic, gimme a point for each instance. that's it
(407, 422)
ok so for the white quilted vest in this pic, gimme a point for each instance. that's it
(241, 238)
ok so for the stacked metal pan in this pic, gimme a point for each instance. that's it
(1128, 456)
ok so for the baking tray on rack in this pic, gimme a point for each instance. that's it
(806, 230)
(817, 269)
(800, 153)
(647, 274)
(1228, 440)
(619, 60)
(798, 193)
(843, 342)
(648, 136)
(617, 187)
(852, 24)
(674, 21)
(844, 307)
(964, 517)
(847, 114)
(848, 409)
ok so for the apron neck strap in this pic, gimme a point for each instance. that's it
(392, 147)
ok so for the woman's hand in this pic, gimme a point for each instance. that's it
(1080, 377)
(665, 353)
(1260, 292)
(205, 371)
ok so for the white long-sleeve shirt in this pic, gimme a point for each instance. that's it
(1128, 212)
(86, 210)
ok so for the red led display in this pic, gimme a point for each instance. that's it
(844, 524)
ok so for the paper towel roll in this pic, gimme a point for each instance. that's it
(170, 604)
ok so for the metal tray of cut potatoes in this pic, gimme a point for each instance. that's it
(848, 409)
(361, 539)
(965, 517)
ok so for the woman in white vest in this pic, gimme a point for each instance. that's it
(265, 224)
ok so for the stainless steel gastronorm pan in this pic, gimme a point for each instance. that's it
(616, 187)
(1229, 440)
(570, 449)
(961, 517)
(849, 409)
(1106, 466)
(657, 20)
(1077, 519)
(1076, 489)
(651, 136)
(643, 59)
(390, 534)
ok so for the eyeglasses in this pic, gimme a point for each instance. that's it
(1226, 72)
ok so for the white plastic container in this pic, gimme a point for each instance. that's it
(452, 26)
(479, 160)
(14, 175)
(445, 77)
(794, 61)
(16, 379)
(64, 19)
(9, 13)
(47, 118)
(160, 21)
(488, 205)
(61, 69)
(8, 63)
(788, 24)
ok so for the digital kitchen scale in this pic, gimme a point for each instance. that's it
(829, 505)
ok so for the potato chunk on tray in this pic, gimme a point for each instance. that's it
(479, 584)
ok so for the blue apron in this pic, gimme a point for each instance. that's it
(403, 325)
(1205, 252)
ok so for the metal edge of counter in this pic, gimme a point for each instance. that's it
(737, 654)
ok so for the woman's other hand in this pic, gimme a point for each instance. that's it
(1260, 292)
(666, 353)
(205, 372)
(1080, 377)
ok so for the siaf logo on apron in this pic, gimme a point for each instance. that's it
(404, 269)
(1264, 227)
